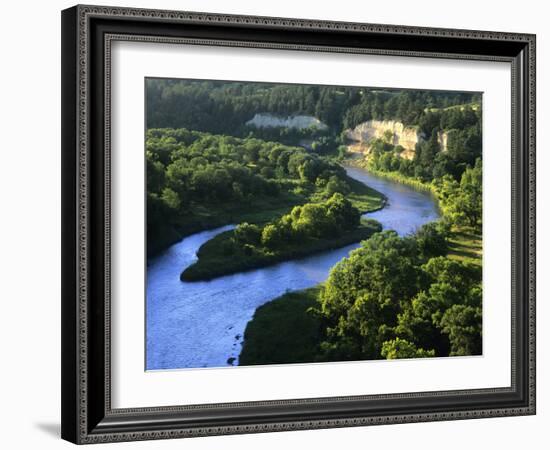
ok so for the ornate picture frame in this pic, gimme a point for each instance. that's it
(88, 33)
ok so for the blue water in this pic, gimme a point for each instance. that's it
(201, 324)
(406, 210)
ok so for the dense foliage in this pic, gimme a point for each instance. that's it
(401, 297)
(224, 107)
(331, 218)
(192, 176)
(461, 202)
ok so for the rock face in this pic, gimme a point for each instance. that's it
(406, 137)
(267, 120)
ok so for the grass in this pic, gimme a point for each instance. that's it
(398, 177)
(220, 256)
(465, 246)
(283, 331)
(363, 197)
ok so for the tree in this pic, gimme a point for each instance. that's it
(428, 122)
(463, 325)
(400, 348)
(310, 220)
(431, 239)
(443, 165)
(445, 284)
(471, 199)
(450, 281)
(309, 169)
(336, 185)
(462, 202)
(362, 295)
(271, 237)
(428, 152)
(246, 233)
(341, 213)
(155, 173)
(418, 323)
(170, 198)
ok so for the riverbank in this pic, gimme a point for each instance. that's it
(284, 331)
(396, 177)
(215, 260)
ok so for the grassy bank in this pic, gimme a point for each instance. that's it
(394, 176)
(363, 197)
(465, 245)
(283, 331)
(219, 256)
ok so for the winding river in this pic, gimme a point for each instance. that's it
(201, 324)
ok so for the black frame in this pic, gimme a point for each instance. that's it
(87, 32)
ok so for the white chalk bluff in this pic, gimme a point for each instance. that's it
(266, 120)
(407, 137)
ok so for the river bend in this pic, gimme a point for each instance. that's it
(201, 324)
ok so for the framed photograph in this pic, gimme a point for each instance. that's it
(280, 224)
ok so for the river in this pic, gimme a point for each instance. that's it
(201, 324)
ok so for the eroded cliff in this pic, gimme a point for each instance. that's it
(407, 137)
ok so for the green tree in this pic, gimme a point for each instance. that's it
(463, 325)
(462, 202)
(170, 198)
(400, 348)
(471, 185)
(341, 213)
(362, 296)
(246, 233)
(271, 236)
(431, 239)
(311, 220)
(336, 185)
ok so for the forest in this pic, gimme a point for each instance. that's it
(394, 297)
(198, 181)
(288, 195)
(224, 107)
